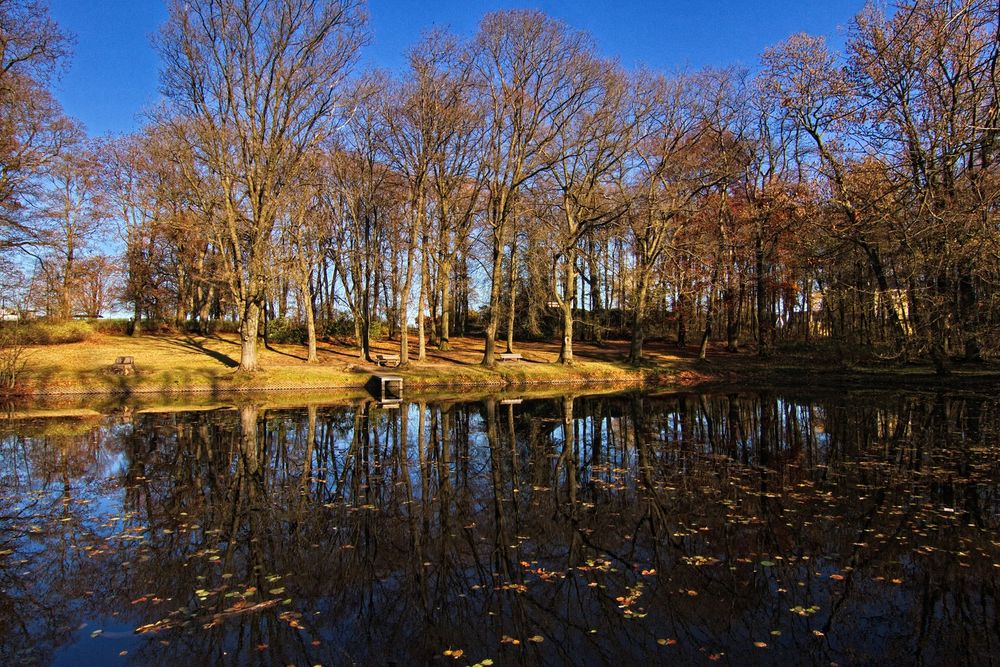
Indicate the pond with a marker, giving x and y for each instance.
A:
(739, 527)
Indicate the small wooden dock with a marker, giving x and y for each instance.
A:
(390, 389)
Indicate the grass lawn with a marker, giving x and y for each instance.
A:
(174, 364)
(177, 363)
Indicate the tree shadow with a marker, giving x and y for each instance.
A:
(275, 350)
(191, 344)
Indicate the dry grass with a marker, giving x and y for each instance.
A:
(179, 363)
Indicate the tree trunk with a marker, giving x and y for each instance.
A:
(307, 304)
(421, 299)
(136, 318)
(443, 342)
(249, 326)
(639, 317)
(489, 354)
(709, 313)
(512, 283)
(566, 305)
(763, 312)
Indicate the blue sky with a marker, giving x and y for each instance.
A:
(113, 74)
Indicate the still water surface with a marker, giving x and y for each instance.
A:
(729, 528)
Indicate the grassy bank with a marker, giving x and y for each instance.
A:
(171, 364)
(179, 364)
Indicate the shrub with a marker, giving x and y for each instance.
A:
(341, 326)
(13, 357)
(55, 333)
(111, 327)
(285, 330)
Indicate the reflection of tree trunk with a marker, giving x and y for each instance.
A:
(310, 445)
(567, 459)
(249, 451)
(502, 566)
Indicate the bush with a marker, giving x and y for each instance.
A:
(111, 327)
(341, 326)
(285, 330)
(55, 333)
(13, 357)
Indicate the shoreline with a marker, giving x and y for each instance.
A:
(171, 367)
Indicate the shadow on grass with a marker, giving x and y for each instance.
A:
(192, 344)
(275, 350)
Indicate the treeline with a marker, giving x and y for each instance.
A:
(518, 183)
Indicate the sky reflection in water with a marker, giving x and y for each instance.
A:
(739, 528)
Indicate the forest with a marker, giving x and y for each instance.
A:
(517, 183)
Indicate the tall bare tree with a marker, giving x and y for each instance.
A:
(534, 76)
(33, 128)
(260, 83)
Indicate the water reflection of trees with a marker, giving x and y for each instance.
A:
(856, 527)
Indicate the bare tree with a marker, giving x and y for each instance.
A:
(32, 126)
(533, 76)
(71, 212)
(260, 84)
(670, 173)
(588, 155)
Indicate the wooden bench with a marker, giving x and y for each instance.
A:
(387, 359)
(123, 366)
(510, 356)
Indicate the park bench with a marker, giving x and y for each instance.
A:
(510, 356)
(387, 359)
(123, 366)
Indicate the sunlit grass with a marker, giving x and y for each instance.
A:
(178, 363)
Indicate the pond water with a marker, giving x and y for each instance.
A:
(738, 528)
